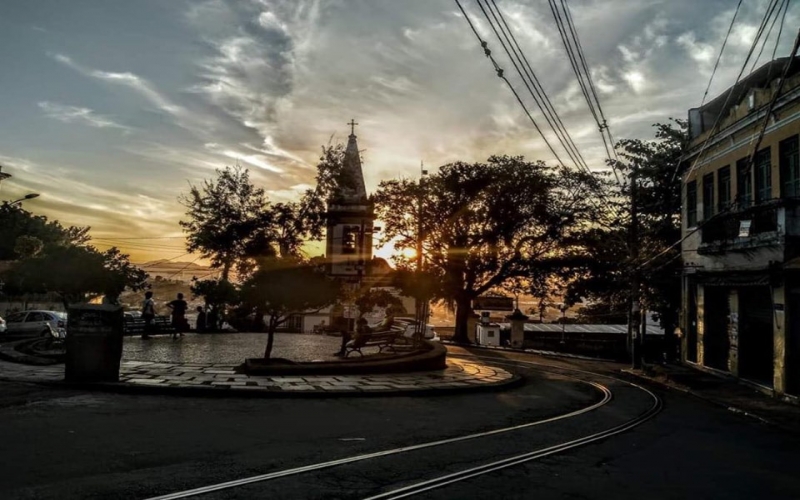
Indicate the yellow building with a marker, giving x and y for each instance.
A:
(741, 230)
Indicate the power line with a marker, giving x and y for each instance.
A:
(760, 136)
(769, 32)
(183, 268)
(500, 74)
(767, 15)
(603, 196)
(721, 50)
(537, 92)
(718, 120)
(146, 238)
(577, 57)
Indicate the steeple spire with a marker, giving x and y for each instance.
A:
(351, 183)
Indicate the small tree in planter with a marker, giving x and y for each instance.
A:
(285, 286)
(372, 298)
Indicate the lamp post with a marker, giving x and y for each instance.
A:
(28, 196)
(563, 308)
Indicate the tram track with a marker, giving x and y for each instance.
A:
(448, 479)
(427, 485)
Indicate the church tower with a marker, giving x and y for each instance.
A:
(350, 218)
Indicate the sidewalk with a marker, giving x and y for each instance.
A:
(726, 392)
(220, 379)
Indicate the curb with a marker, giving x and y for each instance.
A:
(546, 354)
(8, 352)
(228, 392)
(715, 402)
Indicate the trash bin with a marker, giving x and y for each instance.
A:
(94, 343)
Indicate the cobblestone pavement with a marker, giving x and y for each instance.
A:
(459, 374)
(228, 348)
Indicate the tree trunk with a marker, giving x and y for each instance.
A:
(463, 312)
(273, 324)
(226, 270)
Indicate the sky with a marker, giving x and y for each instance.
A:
(113, 108)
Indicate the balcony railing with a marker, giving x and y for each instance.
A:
(729, 228)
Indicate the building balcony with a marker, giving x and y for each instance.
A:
(766, 224)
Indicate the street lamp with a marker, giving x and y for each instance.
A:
(28, 196)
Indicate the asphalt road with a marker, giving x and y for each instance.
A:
(59, 444)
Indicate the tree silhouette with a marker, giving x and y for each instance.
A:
(283, 286)
(487, 222)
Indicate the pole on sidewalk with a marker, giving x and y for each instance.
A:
(635, 314)
(420, 304)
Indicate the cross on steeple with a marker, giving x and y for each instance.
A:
(352, 126)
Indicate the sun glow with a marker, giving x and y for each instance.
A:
(408, 253)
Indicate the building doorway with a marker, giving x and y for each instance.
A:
(691, 321)
(716, 342)
(756, 334)
(792, 322)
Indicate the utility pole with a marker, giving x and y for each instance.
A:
(421, 304)
(633, 244)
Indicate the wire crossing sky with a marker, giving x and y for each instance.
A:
(111, 107)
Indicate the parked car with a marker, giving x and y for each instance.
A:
(36, 323)
(2, 325)
(410, 326)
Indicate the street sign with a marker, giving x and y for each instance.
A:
(744, 228)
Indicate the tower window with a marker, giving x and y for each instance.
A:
(350, 240)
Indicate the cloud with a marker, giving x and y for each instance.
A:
(75, 197)
(184, 118)
(247, 77)
(74, 114)
(266, 82)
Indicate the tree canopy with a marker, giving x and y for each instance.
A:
(283, 286)
(231, 221)
(15, 223)
(73, 272)
(484, 223)
(606, 285)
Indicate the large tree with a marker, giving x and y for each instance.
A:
(231, 222)
(225, 220)
(16, 223)
(655, 164)
(75, 273)
(484, 223)
(283, 286)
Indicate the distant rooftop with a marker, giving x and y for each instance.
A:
(581, 328)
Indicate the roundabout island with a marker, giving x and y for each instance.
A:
(213, 365)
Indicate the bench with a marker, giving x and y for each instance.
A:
(135, 325)
(326, 329)
(382, 340)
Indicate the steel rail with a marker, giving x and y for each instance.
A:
(505, 463)
(607, 396)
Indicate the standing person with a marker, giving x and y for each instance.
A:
(178, 307)
(201, 320)
(148, 314)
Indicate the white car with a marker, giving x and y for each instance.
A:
(37, 323)
(2, 325)
(430, 332)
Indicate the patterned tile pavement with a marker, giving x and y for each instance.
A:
(459, 374)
